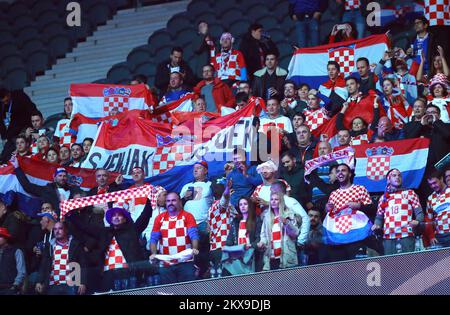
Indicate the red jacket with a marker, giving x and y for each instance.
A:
(222, 94)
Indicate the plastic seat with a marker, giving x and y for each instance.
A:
(207, 16)
(16, 78)
(230, 16)
(216, 30)
(138, 56)
(31, 46)
(6, 37)
(8, 49)
(222, 6)
(59, 45)
(281, 12)
(146, 68)
(277, 35)
(160, 38)
(119, 73)
(178, 23)
(39, 7)
(37, 63)
(27, 34)
(79, 33)
(48, 17)
(99, 13)
(162, 52)
(268, 22)
(52, 29)
(257, 12)
(197, 7)
(17, 9)
(12, 61)
(239, 28)
(186, 36)
(22, 22)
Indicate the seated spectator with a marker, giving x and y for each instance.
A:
(315, 249)
(12, 261)
(294, 175)
(303, 146)
(255, 46)
(140, 79)
(201, 48)
(52, 156)
(298, 120)
(166, 225)
(315, 116)
(395, 104)
(64, 156)
(22, 146)
(15, 221)
(55, 269)
(302, 94)
(175, 90)
(334, 89)
(43, 144)
(342, 32)
(87, 145)
(279, 232)
(274, 118)
(439, 96)
(200, 104)
(290, 105)
(36, 130)
(62, 135)
(174, 64)
(268, 82)
(386, 131)
(367, 79)
(216, 93)
(241, 100)
(343, 138)
(245, 230)
(229, 63)
(244, 86)
(396, 209)
(76, 155)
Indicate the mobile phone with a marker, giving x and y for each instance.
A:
(341, 27)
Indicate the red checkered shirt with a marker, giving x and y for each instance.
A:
(276, 238)
(60, 267)
(219, 223)
(174, 232)
(243, 233)
(437, 12)
(315, 118)
(62, 132)
(398, 214)
(355, 193)
(351, 4)
(228, 68)
(114, 258)
(438, 208)
(263, 191)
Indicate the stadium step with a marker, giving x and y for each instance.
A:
(90, 60)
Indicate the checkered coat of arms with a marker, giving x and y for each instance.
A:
(345, 57)
(378, 162)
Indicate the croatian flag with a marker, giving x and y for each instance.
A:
(102, 100)
(40, 173)
(309, 65)
(167, 154)
(346, 226)
(374, 160)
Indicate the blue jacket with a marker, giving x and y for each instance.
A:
(306, 6)
(244, 186)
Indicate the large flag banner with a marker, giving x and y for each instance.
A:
(309, 65)
(39, 173)
(102, 100)
(167, 154)
(374, 160)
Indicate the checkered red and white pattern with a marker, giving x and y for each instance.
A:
(70, 204)
(62, 132)
(344, 223)
(351, 4)
(276, 238)
(165, 157)
(263, 191)
(219, 223)
(114, 258)
(60, 267)
(118, 103)
(377, 167)
(315, 118)
(437, 12)
(242, 233)
(358, 140)
(438, 208)
(345, 57)
(355, 193)
(34, 147)
(398, 214)
(164, 118)
(174, 232)
(228, 68)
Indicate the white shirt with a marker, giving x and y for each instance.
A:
(282, 122)
(63, 194)
(202, 201)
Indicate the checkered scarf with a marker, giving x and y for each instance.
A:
(276, 238)
(127, 194)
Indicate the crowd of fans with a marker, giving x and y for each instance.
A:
(259, 215)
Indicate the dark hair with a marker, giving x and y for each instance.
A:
(201, 97)
(334, 63)
(77, 144)
(280, 184)
(24, 137)
(209, 65)
(288, 154)
(67, 99)
(352, 172)
(422, 99)
(363, 59)
(3, 92)
(273, 98)
(244, 81)
(250, 224)
(176, 48)
(332, 167)
(304, 84)
(362, 119)
(141, 78)
(254, 27)
(434, 106)
(435, 174)
(201, 21)
(290, 82)
(299, 114)
(423, 19)
(37, 113)
(89, 139)
(444, 87)
(241, 97)
(351, 78)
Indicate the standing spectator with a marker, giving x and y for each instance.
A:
(298, 120)
(62, 135)
(64, 155)
(43, 144)
(55, 269)
(406, 82)
(174, 64)
(201, 48)
(421, 43)
(395, 104)
(438, 65)
(197, 199)
(367, 79)
(15, 114)
(348, 196)
(396, 209)
(15, 222)
(291, 105)
(385, 130)
(437, 209)
(217, 94)
(279, 232)
(180, 223)
(12, 265)
(447, 176)
(76, 155)
(334, 89)
(437, 12)
(315, 250)
(342, 32)
(419, 108)
(315, 116)
(255, 46)
(175, 90)
(52, 156)
(269, 81)
(352, 13)
(303, 146)
(306, 15)
(275, 119)
(294, 175)
(229, 63)
(36, 130)
(439, 95)
(244, 87)
(22, 146)
(87, 145)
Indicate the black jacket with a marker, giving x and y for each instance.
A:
(250, 49)
(76, 254)
(162, 76)
(48, 193)
(127, 235)
(260, 82)
(254, 235)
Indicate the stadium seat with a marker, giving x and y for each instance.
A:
(145, 68)
(277, 35)
(207, 16)
(160, 38)
(222, 6)
(37, 62)
(48, 17)
(39, 7)
(52, 29)
(287, 26)
(6, 37)
(138, 56)
(185, 36)
(16, 78)
(119, 73)
(284, 61)
(16, 9)
(239, 27)
(98, 13)
(248, 5)
(281, 12)
(285, 48)
(163, 52)
(178, 23)
(27, 34)
(79, 33)
(7, 50)
(268, 22)
(11, 61)
(22, 22)
(257, 12)
(195, 8)
(59, 45)
(216, 31)
(229, 17)
(31, 46)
